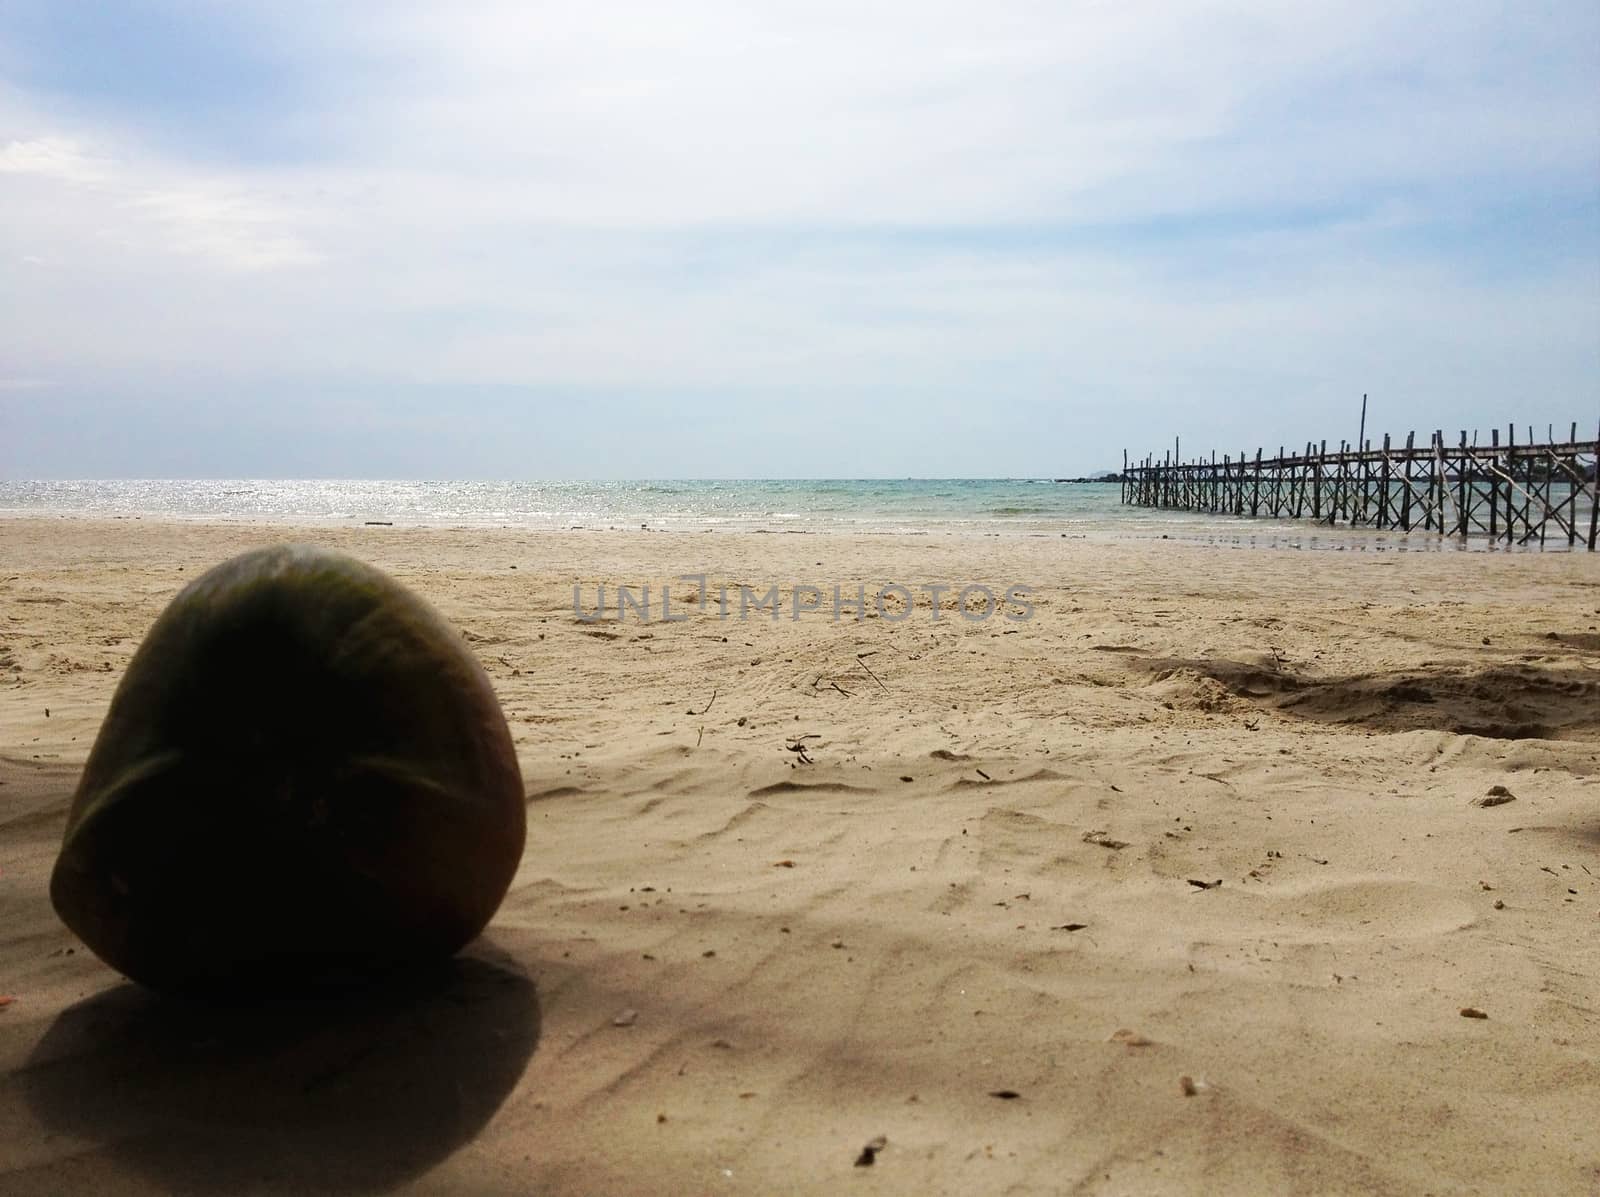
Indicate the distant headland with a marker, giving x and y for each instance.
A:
(1102, 476)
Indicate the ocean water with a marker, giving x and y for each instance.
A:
(906, 506)
(872, 505)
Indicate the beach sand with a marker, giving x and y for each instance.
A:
(964, 918)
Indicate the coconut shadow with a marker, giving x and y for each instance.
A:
(351, 1091)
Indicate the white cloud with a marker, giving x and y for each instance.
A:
(56, 158)
(143, 204)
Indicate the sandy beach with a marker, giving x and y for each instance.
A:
(1181, 885)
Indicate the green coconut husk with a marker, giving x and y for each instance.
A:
(304, 773)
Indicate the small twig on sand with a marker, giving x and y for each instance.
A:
(798, 746)
(832, 684)
(712, 699)
(860, 661)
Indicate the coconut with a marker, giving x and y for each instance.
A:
(303, 774)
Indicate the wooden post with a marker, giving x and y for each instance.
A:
(1363, 476)
(1494, 486)
(1356, 514)
(1383, 482)
(1361, 433)
(1433, 484)
(1351, 474)
(1437, 487)
(1572, 494)
(1305, 479)
(1511, 493)
(1365, 503)
(1594, 504)
(1405, 499)
(1545, 495)
(1339, 488)
(1428, 476)
(1316, 483)
(1511, 473)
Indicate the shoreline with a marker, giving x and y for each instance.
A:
(1225, 532)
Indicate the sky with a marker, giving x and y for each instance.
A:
(483, 239)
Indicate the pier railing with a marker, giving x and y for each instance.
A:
(1519, 494)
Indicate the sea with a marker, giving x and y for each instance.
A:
(912, 506)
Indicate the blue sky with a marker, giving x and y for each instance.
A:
(486, 239)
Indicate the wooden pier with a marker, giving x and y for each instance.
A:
(1516, 494)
